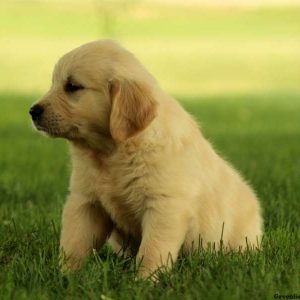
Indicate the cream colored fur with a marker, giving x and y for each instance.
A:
(143, 175)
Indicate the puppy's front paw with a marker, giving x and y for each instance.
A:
(69, 264)
(145, 274)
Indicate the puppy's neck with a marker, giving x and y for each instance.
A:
(101, 149)
(103, 152)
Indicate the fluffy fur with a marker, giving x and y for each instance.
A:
(143, 176)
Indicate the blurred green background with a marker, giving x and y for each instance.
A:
(194, 48)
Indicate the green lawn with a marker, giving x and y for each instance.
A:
(259, 135)
(236, 70)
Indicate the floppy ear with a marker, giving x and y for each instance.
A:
(133, 108)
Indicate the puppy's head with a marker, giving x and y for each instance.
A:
(99, 92)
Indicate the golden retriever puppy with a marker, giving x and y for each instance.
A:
(142, 173)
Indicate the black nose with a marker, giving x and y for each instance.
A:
(36, 112)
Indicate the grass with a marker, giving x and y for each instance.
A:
(33, 186)
(235, 70)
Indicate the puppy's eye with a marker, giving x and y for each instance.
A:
(72, 87)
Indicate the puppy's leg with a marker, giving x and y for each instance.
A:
(85, 225)
(119, 245)
(116, 242)
(162, 236)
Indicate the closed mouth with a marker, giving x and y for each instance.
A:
(49, 131)
(58, 133)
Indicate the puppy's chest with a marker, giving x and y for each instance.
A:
(122, 193)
